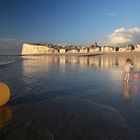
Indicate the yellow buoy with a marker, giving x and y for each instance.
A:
(4, 94)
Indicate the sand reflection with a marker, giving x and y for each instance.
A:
(5, 115)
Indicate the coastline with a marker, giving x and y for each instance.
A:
(78, 54)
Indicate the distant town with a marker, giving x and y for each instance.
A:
(31, 48)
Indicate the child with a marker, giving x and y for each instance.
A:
(127, 68)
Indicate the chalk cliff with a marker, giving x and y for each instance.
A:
(28, 49)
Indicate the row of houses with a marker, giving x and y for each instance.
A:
(50, 48)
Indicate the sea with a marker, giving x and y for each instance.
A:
(70, 98)
(8, 59)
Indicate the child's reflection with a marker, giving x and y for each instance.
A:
(127, 91)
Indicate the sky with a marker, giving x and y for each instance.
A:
(76, 22)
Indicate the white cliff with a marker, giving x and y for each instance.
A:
(30, 49)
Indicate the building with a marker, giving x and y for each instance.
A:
(107, 49)
(83, 50)
(35, 49)
(74, 50)
(137, 48)
(122, 49)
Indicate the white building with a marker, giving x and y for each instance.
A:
(137, 48)
(74, 50)
(83, 50)
(122, 49)
(62, 50)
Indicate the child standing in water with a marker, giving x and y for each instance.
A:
(127, 68)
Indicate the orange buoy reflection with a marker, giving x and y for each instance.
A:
(5, 115)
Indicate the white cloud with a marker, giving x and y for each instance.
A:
(109, 12)
(123, 36)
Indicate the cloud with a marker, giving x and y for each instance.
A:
(109, 12)
(122, 36)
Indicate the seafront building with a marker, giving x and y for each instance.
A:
(37, 49)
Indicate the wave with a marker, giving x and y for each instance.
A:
(7, 61)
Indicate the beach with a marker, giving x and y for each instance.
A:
(71, 98)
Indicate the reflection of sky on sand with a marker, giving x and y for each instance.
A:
(111, 66)
(5, 116)
(46, 61)
(116, 74)
(96, 61)
(56, 94)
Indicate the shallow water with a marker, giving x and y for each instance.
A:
(70, 98)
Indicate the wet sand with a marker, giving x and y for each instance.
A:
(59, 98)
(126, 54)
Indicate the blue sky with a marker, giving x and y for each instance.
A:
(71, 21)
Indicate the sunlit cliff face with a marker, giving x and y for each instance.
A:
(35, 49)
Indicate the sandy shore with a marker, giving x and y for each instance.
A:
(128, 54)
(82, 100)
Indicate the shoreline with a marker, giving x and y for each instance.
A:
(76, 54)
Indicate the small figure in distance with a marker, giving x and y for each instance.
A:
(127, 69)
